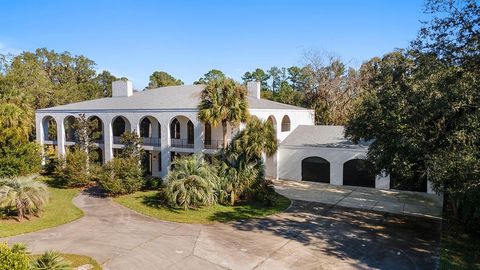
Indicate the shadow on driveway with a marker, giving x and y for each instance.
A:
(370, 239)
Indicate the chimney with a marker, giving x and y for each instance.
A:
(253, 89)
(122, 88)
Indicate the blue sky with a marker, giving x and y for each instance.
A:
(188, 38)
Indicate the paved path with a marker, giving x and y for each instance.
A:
(390, 201)
(308, 236)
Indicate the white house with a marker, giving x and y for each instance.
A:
(166, 119)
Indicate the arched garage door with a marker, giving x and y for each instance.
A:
(358, 172)
(316, 169)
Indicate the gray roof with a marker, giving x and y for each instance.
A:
(321, 136)
(164, 98)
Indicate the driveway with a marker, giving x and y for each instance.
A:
(390, 201)
(309, 235)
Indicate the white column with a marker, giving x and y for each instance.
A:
(430, 188)
(165, 146)
(382, 181)
(60, 136)
(40, 135)
(107, 139)
(197, 136)
(336, 173)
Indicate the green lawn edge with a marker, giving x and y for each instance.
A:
(143, 202)
(59, 210)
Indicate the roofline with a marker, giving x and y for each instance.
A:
(48, 110)
(363, 149)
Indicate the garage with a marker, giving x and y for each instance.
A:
(358, 172)
(316, 169)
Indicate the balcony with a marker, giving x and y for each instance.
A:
(213, 144)
(182, 143)
(151, 141)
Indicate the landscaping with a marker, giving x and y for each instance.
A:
(146, 202)
(57, 211)
(78, 260)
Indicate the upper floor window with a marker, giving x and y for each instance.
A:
(286, 123)
(175, 129)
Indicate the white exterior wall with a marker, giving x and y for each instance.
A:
(290, 163)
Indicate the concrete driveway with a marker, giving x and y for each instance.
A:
(309, 235)
(390, 201)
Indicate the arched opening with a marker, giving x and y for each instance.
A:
(286, 123)
(207, 135)
(182, 132)
(49, 129)
(150, 131)
(358, 172)
(271, 119)
(97, 155)
(97, 135)
(190, 132)
(146, 128)
(175, 129)
(120, 125)
(316, 169)
(70, 134)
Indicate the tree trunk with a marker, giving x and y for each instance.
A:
(224, 130)
(232, 198)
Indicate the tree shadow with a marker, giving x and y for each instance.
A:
(95, 191)
(375, 239)
(156, 201)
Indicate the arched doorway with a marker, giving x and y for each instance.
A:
(49, 129)
(316, 169)
(97, 135)
(120, 125)
(286, 123)
(358, 172)
(190, 132)
(150, 131)
(208, 135)
(70, 134)
(175, 129)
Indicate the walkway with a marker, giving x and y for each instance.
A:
(308, 236)
(390, 201)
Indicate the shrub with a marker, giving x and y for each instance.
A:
(152, 183)
(121, 176)
(191, 184)
(72, 170)
(51, 260)
(22, 195)
(12, 258)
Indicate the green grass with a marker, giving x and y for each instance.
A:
(459, 251)
(58, 211)
(78, 260)
(145, 202)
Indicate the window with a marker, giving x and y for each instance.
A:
(145, 128)
(208, 134)
(286, 123)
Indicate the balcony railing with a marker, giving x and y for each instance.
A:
(151, 141)
(182, 143)
(213, 144)
(116, 140)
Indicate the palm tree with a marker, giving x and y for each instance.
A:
(23, 194)
(223, 102)
(51, 260)
(257, 138)
(191, 183)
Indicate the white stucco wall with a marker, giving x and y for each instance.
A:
(290, 162)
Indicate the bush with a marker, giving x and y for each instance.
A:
(22, 196)
(51, 260)
(72, 170)
(191, 184)
(13, 258)
(121, 176)
(152, 183)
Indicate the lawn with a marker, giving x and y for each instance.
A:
(79, 260)
(145, 202)
(459, 251)
(58, 211)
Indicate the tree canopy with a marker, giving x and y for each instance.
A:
(161, 79)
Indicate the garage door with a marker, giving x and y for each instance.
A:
(358, 172)
(316, 169)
